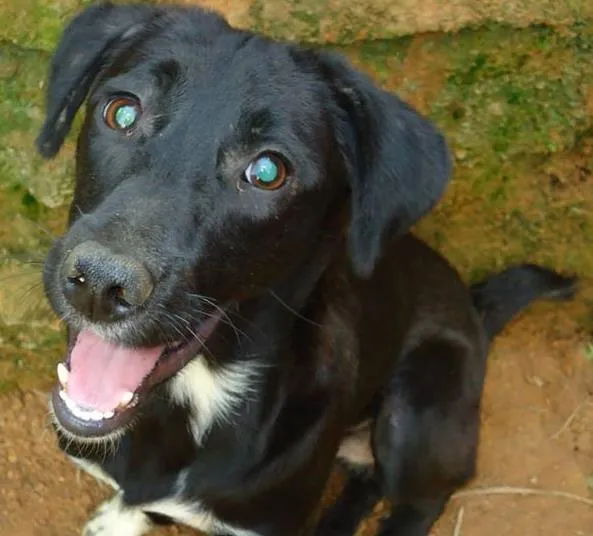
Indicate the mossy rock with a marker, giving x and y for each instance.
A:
(347, 21)
(498, 93)
(517, 108)
(36, 24)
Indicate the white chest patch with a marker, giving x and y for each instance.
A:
(356, 449)
(212, 395)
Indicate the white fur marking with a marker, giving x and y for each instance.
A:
(355, 448)
(113, 518)
(195, 517)
(95, 471)
(211, 395)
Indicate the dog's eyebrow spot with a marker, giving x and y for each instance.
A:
(166, 73)
(253, 129)
(253, 125)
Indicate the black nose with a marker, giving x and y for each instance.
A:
(103, 286)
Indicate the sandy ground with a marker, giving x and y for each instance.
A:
(537, 434)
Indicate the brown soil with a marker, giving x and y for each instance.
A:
(537, 433)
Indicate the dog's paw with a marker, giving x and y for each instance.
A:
(113, 518)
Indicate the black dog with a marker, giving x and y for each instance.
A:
(243, 302)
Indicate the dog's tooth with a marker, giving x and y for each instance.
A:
(62, 394)
(75, 410)
(126, 398)
(84, 415)
(96, 415)
(68, 401)
(63, 374)
(108, 414)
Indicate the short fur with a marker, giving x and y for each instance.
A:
(345, 337)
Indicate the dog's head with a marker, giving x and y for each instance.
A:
(210, 165)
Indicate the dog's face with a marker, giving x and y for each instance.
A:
(210, 166)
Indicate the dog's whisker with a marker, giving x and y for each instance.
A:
(15, 258)
(20, 275)
(173, 323)
(294, 311)
(223, 313)
(79, 210)
(30, 303)
(44, 230)
(223, 319)
(167, 339)
(168, 316)
(226, 319)
(187, 331)
(196, 336)
(237, 332)
(28, 290)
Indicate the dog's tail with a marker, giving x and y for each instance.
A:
(502, 296)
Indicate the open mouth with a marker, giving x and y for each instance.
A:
(101, 384)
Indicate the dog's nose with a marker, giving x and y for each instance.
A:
(103, 286)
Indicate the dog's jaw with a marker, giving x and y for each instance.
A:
(101, 384)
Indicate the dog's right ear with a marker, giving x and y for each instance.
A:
(84, 49)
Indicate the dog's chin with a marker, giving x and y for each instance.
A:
(81, 408)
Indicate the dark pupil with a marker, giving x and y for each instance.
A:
(265, 170)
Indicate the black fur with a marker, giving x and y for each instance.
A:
(348, 317)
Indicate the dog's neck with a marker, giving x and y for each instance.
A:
(296, 290)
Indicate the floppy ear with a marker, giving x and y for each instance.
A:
(397, 161)
(81, 54)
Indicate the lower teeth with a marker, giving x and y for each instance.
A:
(82, 413)
(129, 399)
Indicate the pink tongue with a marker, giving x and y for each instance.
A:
(100, 372)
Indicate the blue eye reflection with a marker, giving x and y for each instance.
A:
(267, 171)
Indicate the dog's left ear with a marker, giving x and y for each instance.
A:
(80, 55)
(397, 161)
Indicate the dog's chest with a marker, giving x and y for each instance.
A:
(191, 513)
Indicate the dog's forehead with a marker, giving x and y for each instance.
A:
(225, 79)
(240, 62)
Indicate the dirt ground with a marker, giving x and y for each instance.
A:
(537, 434)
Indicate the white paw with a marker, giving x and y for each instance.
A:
(113, 518)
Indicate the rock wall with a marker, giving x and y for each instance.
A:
(345, 21)
(515, 100)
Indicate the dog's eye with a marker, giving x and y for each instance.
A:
(122, 113)
(268, 171)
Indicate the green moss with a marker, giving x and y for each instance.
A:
(502, 93)
(36, 24)
(22, 73)
(22, 80)
(511, 93)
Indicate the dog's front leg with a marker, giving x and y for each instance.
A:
(115, 518)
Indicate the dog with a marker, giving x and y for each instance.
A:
(245, 304)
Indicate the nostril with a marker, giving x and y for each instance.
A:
(73, 271)
(116, 295)
(119, 295)
(105, 286)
